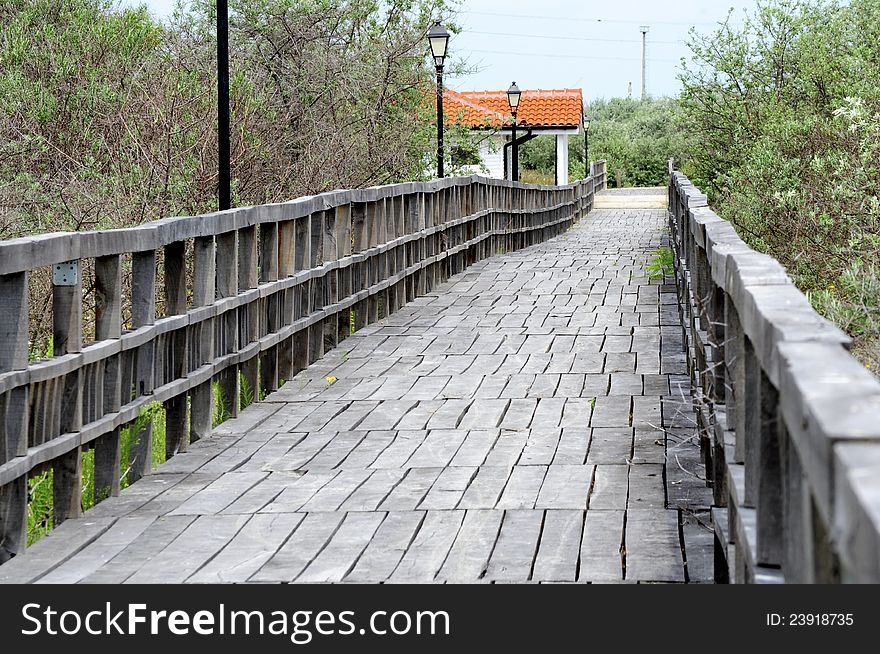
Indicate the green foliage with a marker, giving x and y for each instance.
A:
(635, 137)
(661, 264)
(40, 511)
(108, 119)
(785, 114)
(245, 391)
(220, 410)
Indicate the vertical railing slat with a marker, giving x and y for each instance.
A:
(143, 313)
(14, 410)
(108, 325)
(176, 419)
(67, 339)
(204, 291)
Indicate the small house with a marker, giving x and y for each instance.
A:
(559, 113)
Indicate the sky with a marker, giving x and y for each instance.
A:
(586, 44)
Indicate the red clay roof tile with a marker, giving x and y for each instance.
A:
(537, 108)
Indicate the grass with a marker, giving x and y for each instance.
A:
(536, 177)
(661, 265)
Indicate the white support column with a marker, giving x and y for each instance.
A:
(562, 158)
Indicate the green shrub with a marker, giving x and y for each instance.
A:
(785, 112)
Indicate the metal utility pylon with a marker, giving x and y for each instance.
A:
(644, 30)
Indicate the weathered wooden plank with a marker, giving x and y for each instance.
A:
(369, 495)
(368, 450)
(601, 548)
(180, 558)
(516, 547)
(475, 448)
(485, 489)
(407, 495)
(559, 551)
(334, 562)
(258, 497)
(438, 448)
(610, 487)
(334, 493)
(301, 548)
(251, 547)
(220, 494)
(653, 550)
(647, 489)
(540, 448)
(54, 549)
(469, 556)
(428, 550)
(507, 449)
(299, 492)
(158, 535)
(227, 332)
(447, 491)
(387, 547)
(522, 487)
(92, 557)
(565, 487)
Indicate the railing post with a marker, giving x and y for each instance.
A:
(316, 296)
(227, 330)
(286, 268)
(769, 478)
(108, 325)
(249, 314)
(271, 307)
(143, 313)
(330, 252)
(375, 221)
(360, 278)
(176, 419)
(14, 408)
(204, 290)
(67, 339)
(302, 259)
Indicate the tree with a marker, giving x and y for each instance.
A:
(785, 113)
(635, 137)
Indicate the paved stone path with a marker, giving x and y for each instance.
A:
(527, 421)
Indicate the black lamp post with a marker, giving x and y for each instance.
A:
(586, 146)
(513, 97)
(224, 194)
(438, 38)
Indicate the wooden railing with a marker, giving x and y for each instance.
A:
(789, 421)
(253, 294)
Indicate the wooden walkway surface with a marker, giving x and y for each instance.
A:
(528, 421)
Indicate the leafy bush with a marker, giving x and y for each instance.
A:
(662, 264)
(635, 137)
(785, 113)
(108, 119)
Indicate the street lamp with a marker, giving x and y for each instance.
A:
(513, 98)
(586, 146)
(438, 38)
(224, 195)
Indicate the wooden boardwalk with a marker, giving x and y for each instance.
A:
(528, 421)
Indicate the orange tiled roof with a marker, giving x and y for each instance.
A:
(537, 108)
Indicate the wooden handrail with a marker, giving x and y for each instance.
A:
(265, 292)
(789, 420)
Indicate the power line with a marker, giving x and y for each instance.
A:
(570, 38)
(581, 20)
(564, 56)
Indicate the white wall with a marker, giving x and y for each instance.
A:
(562, 159)
(492, 155)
